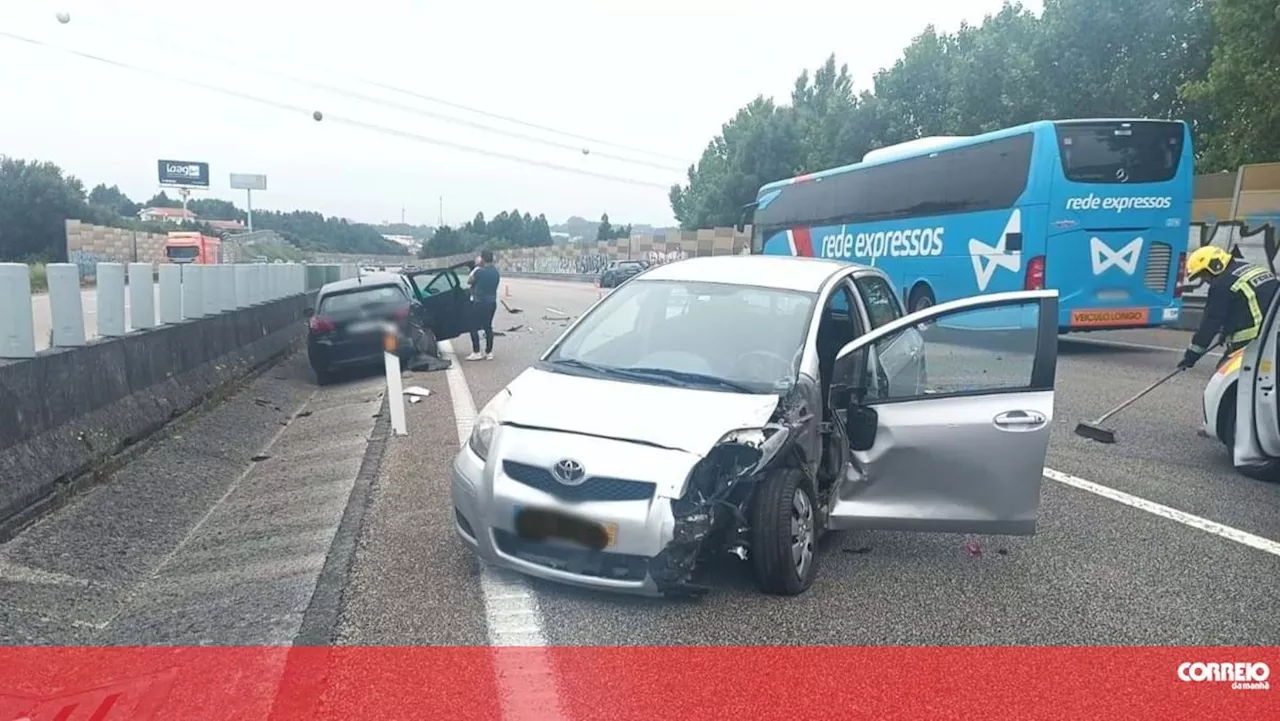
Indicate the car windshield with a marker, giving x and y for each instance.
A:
(356, 299)
(713, 336)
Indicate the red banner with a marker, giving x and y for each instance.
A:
(624, 683)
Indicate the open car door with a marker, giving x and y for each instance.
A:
(963, 451)
(1256, 451)
(445, 298)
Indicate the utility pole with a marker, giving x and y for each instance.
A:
(440, 222)
(402, 215)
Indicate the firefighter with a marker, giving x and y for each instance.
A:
(1239, 295)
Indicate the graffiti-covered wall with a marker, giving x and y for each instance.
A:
(88, 245)
(1237, 211)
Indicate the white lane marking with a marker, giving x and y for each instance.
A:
(1203, 524)
(555, 311)
(525, 676)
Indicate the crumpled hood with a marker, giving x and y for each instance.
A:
(679, 418)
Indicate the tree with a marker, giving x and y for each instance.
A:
(114, 200)
(36, 199)
(1239, 90)
(1080, 58)
(216, 209)
(162, 200)
(759, 145)
(605, 231)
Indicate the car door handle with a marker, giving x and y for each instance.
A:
(1020, 420)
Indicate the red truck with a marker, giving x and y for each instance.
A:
(191, 247)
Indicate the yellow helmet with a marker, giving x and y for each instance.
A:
(1207, 259)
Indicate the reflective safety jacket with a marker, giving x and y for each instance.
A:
(1238, 299)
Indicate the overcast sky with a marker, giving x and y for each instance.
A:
(660, 76)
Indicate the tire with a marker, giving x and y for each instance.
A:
(324, 377)
(776, 501)
(921, 298)
(1227, 420)
(428, 343)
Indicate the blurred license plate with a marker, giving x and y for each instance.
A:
(541, 524)
(365, 326)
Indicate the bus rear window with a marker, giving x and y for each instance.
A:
(1120, 152)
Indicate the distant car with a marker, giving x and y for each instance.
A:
(742, 406)
(1242, 394)
(620, 271)
(346, 327)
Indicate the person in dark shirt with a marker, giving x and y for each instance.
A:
(484, 296)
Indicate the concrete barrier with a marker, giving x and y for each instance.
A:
(66, 411)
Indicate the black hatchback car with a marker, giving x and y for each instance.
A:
(346, 327)
(620, 271)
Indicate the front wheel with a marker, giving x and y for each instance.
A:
(784, 534)
(921, 298)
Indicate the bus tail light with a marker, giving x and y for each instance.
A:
(1035, 274)
(1181, 277)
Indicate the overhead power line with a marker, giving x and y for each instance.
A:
(331, 118)
(328, 72)
(328, 87)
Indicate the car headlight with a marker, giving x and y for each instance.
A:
(486, 425)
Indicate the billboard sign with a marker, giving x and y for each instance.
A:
(248, 181)
(184, 174)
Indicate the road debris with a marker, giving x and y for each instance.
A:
(511, 310)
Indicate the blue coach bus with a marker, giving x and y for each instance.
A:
(1097, 209)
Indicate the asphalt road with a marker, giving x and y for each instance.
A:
(196, 542)
(42, 314)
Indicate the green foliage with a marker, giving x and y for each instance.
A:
(607, 231)
(1079, 58)
(1239, 92)
(114, 201)
(506, 230)
(216, 209)
(35, 201)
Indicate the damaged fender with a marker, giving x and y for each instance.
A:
(720, 486)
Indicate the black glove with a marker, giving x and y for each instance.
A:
(1189, 359)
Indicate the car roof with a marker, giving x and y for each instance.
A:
(368, 280)
(784, 272)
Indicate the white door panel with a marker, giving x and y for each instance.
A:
(902, 487)
(965, 451)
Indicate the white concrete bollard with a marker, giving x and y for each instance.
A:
(226, 287)
(17, 327)
(110, 294)
(260, 288)
(193, 279)
(244, 282)
(142, 296)
(170, 293)
(65, 306)
(211, 300)
(395, 387)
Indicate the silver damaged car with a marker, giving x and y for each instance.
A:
(742, 406)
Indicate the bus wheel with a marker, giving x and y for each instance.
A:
(921, 298)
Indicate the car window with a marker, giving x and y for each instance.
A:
(440, 283)
(961, 352)
(882, 305)
(746, 335)
(355, 299)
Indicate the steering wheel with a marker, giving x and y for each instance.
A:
(763, 365)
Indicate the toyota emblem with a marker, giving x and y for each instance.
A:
(569, 472)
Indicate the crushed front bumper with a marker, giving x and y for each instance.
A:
(484, 518)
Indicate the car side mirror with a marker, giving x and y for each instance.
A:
(307, 313)
(860, 425)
